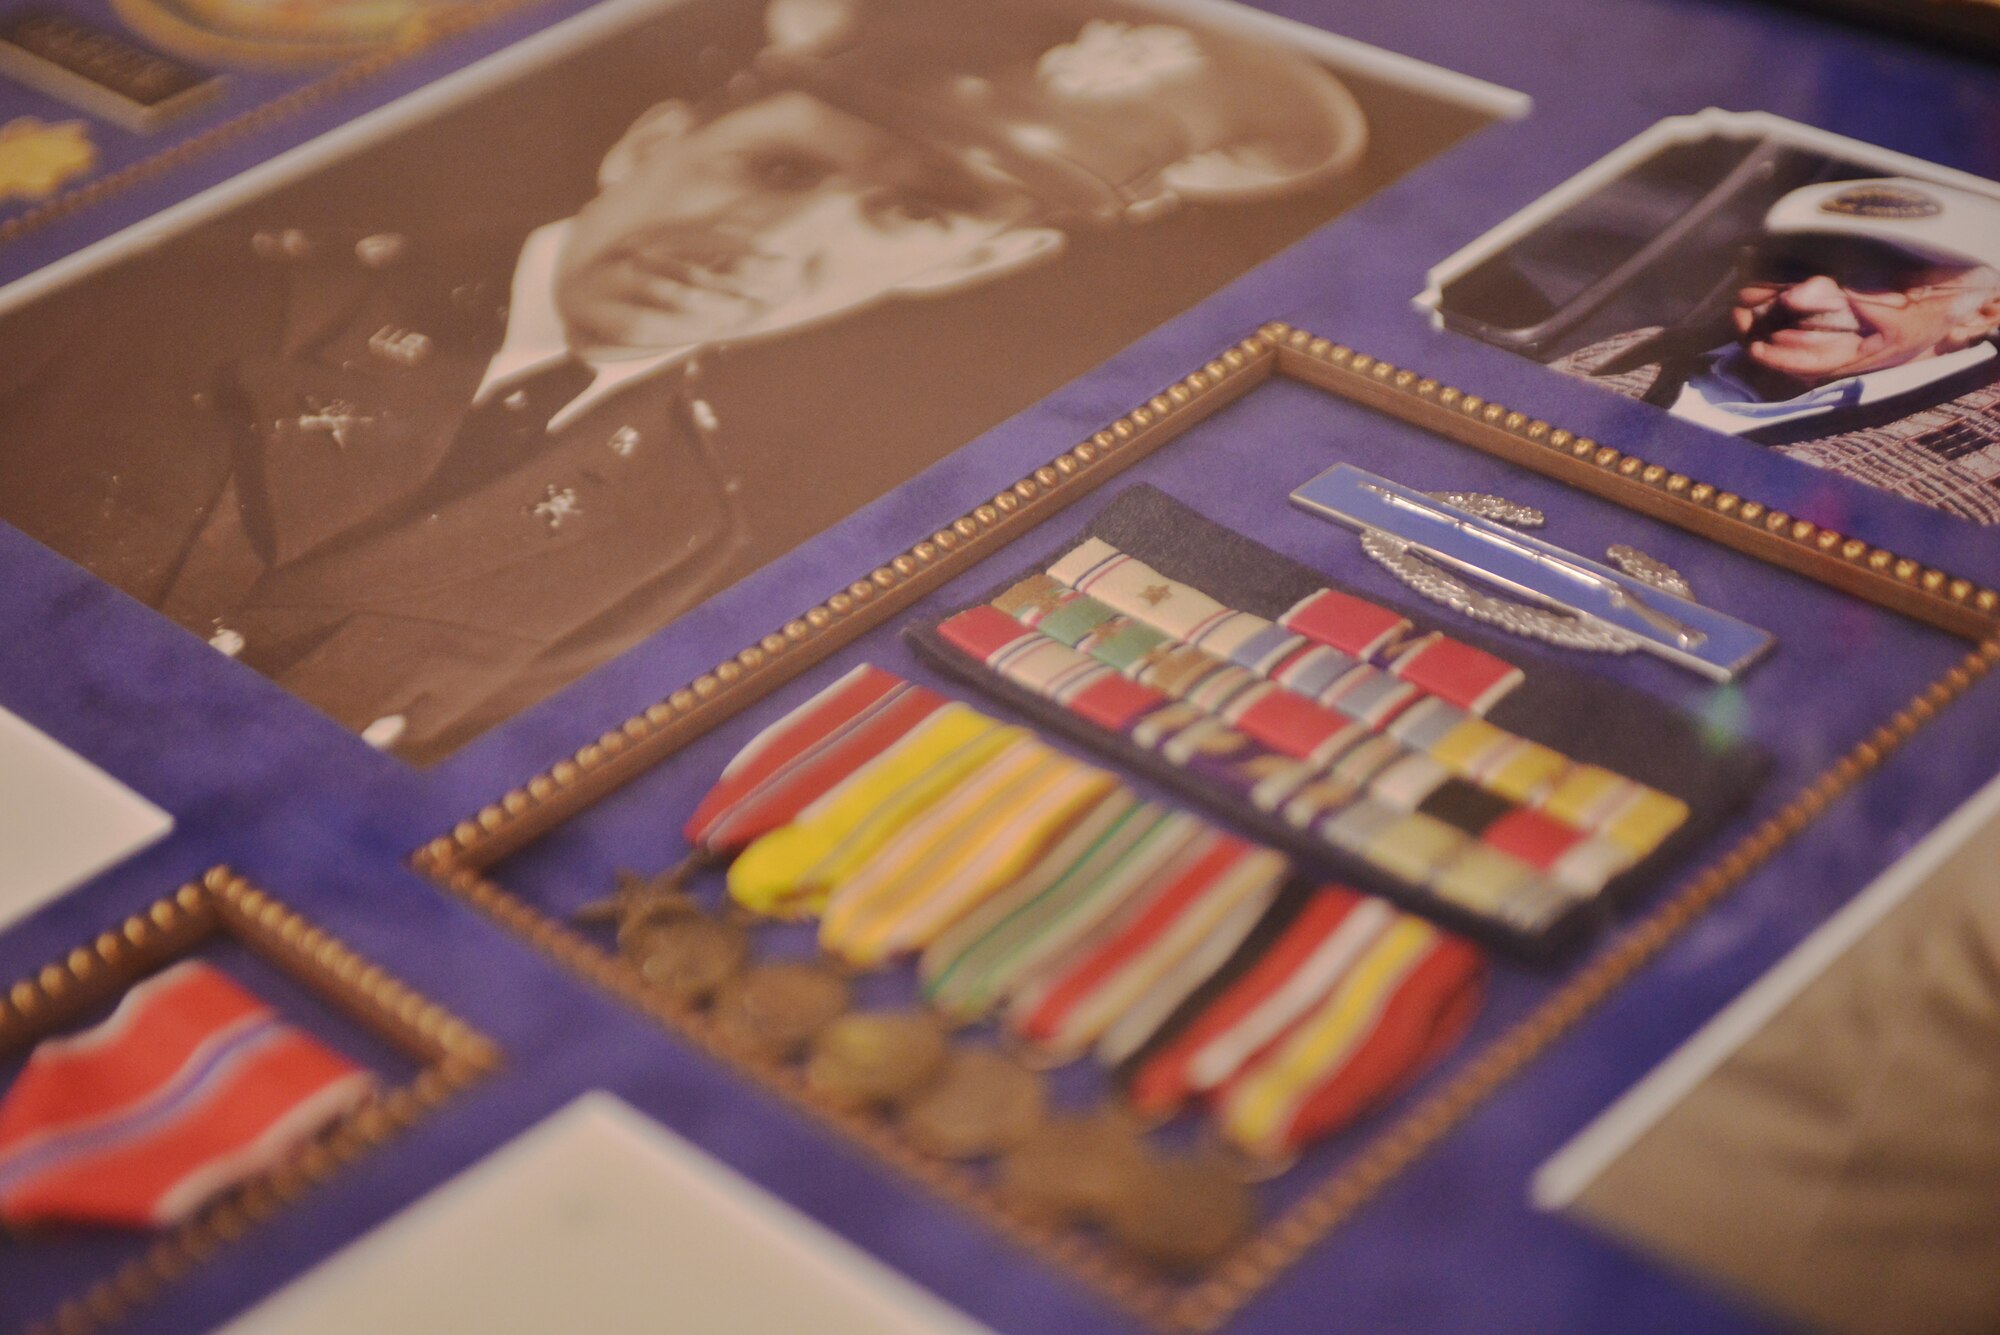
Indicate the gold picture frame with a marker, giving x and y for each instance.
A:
(460, 859)
(453, 1054)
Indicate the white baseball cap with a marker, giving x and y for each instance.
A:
(1934, 222)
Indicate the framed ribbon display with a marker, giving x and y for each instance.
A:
(503, 860)
(159, 1093)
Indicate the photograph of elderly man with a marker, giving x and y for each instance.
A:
(432, 432)
(1837, 316)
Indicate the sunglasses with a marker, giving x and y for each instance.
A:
(1877, 274)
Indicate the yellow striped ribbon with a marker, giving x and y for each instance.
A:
(972, 843)
(1256, 1111)
(790, 871)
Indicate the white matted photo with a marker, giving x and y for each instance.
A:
(431, 416)
(1825, 1145)
(1806, 293)
(62, 819)
(600, 1220)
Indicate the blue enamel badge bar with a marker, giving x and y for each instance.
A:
(1679, 630)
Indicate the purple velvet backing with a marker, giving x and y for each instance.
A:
(262, 782)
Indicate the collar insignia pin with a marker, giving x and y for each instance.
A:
(336, 417)
(557, 505)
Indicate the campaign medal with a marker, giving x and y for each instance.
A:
(682, 950)
(1182, 1213)
(633, 896)
(876, 1057)
(1075, 1169)
(777, 1009)
(981, 1105)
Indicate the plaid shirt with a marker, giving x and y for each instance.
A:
(1946, 455)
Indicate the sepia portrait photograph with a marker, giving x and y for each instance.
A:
(1810, 295)
(444, 410)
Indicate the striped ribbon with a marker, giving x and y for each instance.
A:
(793, 762)
(972, 842)
(191, 1086)
(1124, 846)
(1066, 1008)
(1396, 1009)
(1376, 801)
(1320, 649)
(1298, 727)
(790, 871)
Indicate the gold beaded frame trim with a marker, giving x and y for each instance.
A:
(453, 1056)
(458, 860)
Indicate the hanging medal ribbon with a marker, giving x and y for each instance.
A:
(796, 760)
(1064, 1011)
(1075, 889)
(789, 871)
(191, 1086)
(972, 842)
(1399, 1007)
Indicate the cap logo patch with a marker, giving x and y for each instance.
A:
(1881, 201)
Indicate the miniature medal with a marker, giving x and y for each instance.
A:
(1183, 1213)
(981, 1105)
(677, 947)
(876, 1057)
(634, 895)
(1075, 1168)
(777, 1009)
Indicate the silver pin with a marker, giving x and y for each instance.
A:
(1615, 594)
(1529, 587)
(227, 642)
(557, 505)
(1649, 570)
(623, 441)
(406, 347)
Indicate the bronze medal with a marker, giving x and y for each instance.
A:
(1183, 1213)
(876, 1057)
(1074, 1169)
(776, 1009)
(632, 895)
(684, 951)
(981, 1105)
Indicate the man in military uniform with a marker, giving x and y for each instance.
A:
(1860, 340)
(422, 495)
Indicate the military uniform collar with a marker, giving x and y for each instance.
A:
(1718, 395)
(536, 339)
